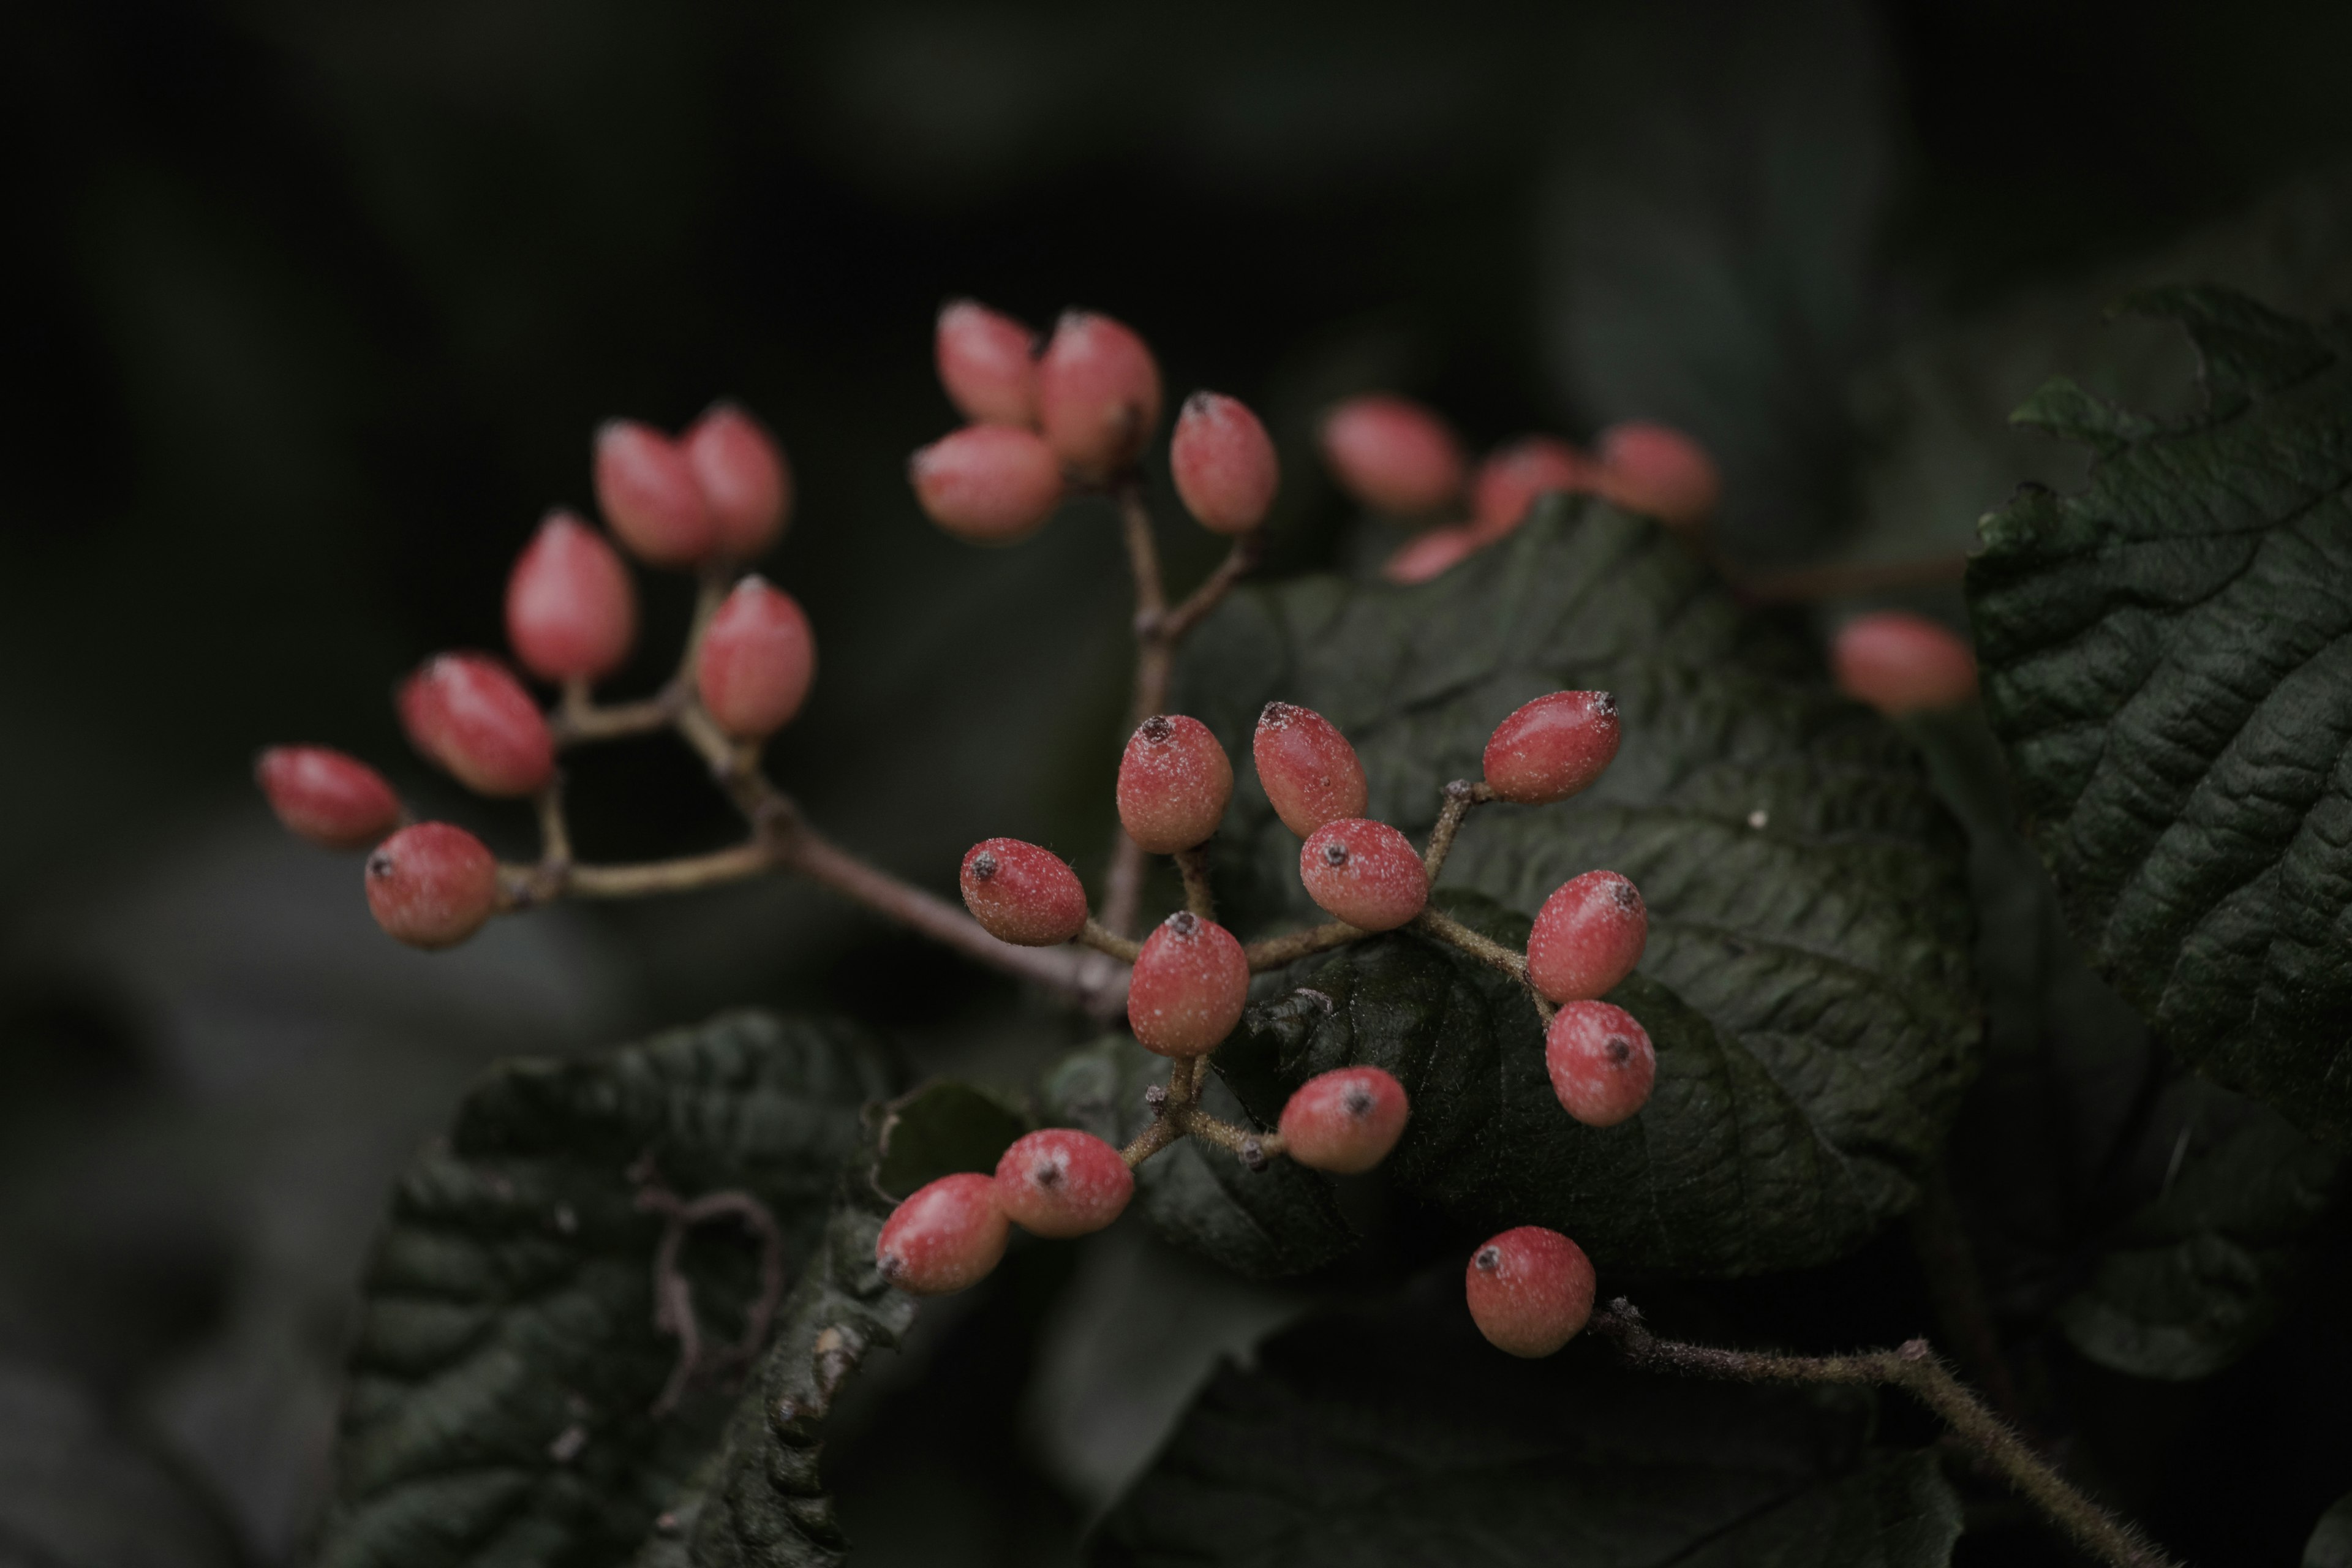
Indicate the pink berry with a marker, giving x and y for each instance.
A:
(988, 362)
(1363, 872)
(326, 797)
(1902, 663)
(1601, 1060)
(1530, 1290)
(432, 884)
(757, 661)
(1097, 394)
(572, 609)
(1309, 769)
(1223, 463)
(746, 484)
(466, 713)
(649, 493)
(1393, 454)
(1588, 937)
(1060, 1182)
(1173, 783)
(1189, 985)
(1431, 554)
(1344, 1121)
(992, 484)
(1552, 747)
(1659, 472)
(944, 1238)
(1023, 894)
(1512, 477)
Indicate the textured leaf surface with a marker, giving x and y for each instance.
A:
(941, 1128)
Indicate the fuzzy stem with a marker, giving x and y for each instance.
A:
(1444, 927)
(1193, 865)
(1460, 797)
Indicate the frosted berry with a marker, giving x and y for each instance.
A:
(1552, 747)
(1393, 454)
(1344, 1121)
(1309, 769)
(1173, 783)
(1902, 663)
(432, 884)
(1659, 472)
(649, 493)
(992, 484)
(572, 608)
(757, 661)
(944, 1238)
(1023, 894)
(466, 713)
(1588, 936)
(1530, 1290)
(1602, 1062)
(1223, 463)
(1363, 872)
(746, 484)
(326, 797)
(1189, 985)
(1097, 394)
(988, 362)
(1431, 554)
(1061, 1183)
(1512, 477)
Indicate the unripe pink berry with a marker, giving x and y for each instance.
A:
(1189, 985)
(1432, 554)
(988, 362)
(1601, 1060)
(1530, 1290)
(1363, 872)
(1173, 783)
(757, 661)
(1901, 663)
(432, 884)
(326, 797)
(1393, 454)
(1659, 472)
(1344, 1121)
(1512, 477)
(1552, 747)
(746, 484)
(1060, 1182)
(1097, 394)
(1309, 769)
(944, 1238)
(1223, 463)
(649, 495)
(991, 484)
(1586, 937)
(466, 713)
(1023, 894)
(572, 609)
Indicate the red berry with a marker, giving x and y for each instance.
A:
(757, 661)
(432, 884)
(992, 484)
(1552, 747)
(649, 495)
(466, 713)
(1393, 455)
(1223, 463)
(944, 1238)
(988, 362)
(1344, 1121)
(1530, 1290)
(1173, 783)
(1060, 1182)
(1601, 1060)
(1587, 938)
(1902, 663)
(1512, 477)
(1023, 894)
(1189, 985)
(1309, 769)
(746, 484)
(1659, 472)
(572, 609)
(326, 797)
(1431, 554)
(1097, 394)
(1363, 872)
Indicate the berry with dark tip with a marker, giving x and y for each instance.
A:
(572, 608)
(1023, 894)
(1552, 747)
(757, 660)
(1530, 1290)
(1901, 663)
(1190, 985)
(1097, 394)
(1173, 783)
(746, 484)
(990, 484)
(432, 884)
(1393, 454)
(1223, 463)
(945, 1237)
(988, 364)
(1363, 872)
(1306, 767)
(1061, 1183)
(326, 797)
(649, 493)
(469, 715)
(1588, 936)
(1658, 471)
(1601, 1060)
(1346, 1121)
(1512, 477)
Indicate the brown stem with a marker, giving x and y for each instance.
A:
(674, 1293)
(1193, 865)
(1102, 940)
(1275, 951)
(577, 720)
(1444, 927)
(682, 875)
(1941, 1244)
(1460, 797)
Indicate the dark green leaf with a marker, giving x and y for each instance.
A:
(941, 1128)
(2331, 1543)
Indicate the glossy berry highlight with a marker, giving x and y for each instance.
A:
(467, 714)
(1601, 1063)
(1363, 872)
(946, 1237)
(1060, 1182)
(1023, 894)
(1530, 1290)
(1553, 747)
(1174, 783)
(757, 660)
(1511, 478)
(571, 606)
(1223, 463)
(1344, 1121)
(1658, 471)
(324, 795)
(432, 884)
(746, 484)
(649, 493)
(1190, 985)
(990, 484)
(1588, 936)
(1306, 767)
(987, 364)
(1901, 663)
(1393, 454)
(1099, 394)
